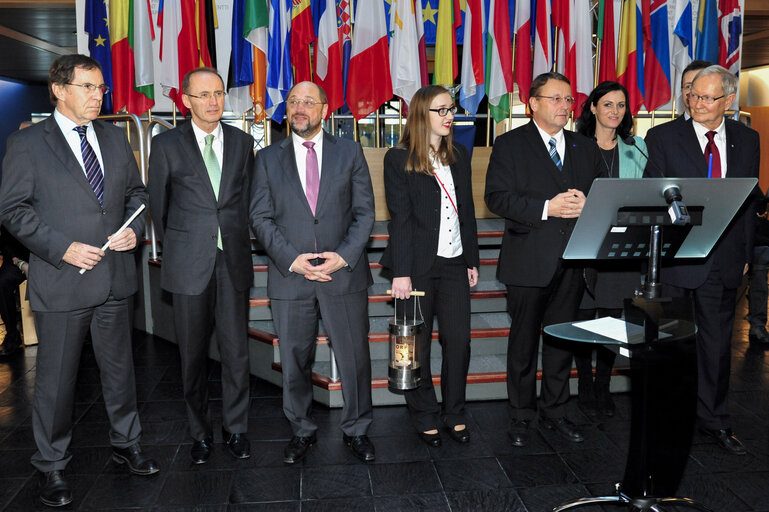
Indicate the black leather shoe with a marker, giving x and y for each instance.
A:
(11, 344)
(460, 436)
(361, 447)
(201, 450)
(237, 444)
(727, 440)
(564, 427)
(433, 440)
(54, 490)
(297, 448)
(138, 463)
(759, 336)
(519, 432)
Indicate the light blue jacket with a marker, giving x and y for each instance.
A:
(631, 161)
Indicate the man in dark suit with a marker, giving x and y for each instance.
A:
(198, 186)
(68, 184)
(312, 209)
(684, 150)
(537, 180)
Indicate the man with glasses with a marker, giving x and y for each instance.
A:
(198, 184)
(537, 180)
(687, 77)
(69, 183)
(312, 209)
(709, 146)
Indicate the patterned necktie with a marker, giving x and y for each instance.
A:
(91, 165)
(554, 154)
(312, 181)
(712, 150)
(214, 174)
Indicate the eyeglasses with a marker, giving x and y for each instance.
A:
(444, 111)
(307, 102)
(207, 95)
(92, 88)
(707, 100)
(555, 100)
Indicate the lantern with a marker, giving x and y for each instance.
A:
(404, 368)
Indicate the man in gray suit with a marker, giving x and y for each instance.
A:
(312, 209)
(68, 184)
(198, 187)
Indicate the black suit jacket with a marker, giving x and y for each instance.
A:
(414, 202)
(285, 226)
(186, 213)
(47, 203)
(520, 178)
(675, 152)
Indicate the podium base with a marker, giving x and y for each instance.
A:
(634, 504)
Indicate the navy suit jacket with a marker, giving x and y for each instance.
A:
(675, 152)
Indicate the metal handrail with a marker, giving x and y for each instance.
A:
(148, 142)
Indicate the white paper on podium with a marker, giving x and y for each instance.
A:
(616, 329)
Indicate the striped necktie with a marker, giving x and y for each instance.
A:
(91, 165)
(554, 154)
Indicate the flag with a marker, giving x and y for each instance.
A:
(345, 35)
(707, 31)
(404, 50)
(419, 15)
(446, 64)
(730, 37)
(328, 55)
(627, 55)
(279, 72)
(472, 77)
(499, 61)
(302, 36)
(657, 57)
(543, 52)
(608, 33)
(178, 47)
(559, 17)
(579, 56)
(241, 73)
(523, 35)
(256, 23)
(369, 83)
(98, 44)
(129, 28)
(206, 22)
(681, 42)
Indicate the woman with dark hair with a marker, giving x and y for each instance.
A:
(606, 118)
(433, 247)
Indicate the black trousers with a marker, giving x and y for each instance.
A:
(225, 309)
(61, 336)
(714, 315)
(530, 309)
(345, 320)
(447, 296)
(10, 279)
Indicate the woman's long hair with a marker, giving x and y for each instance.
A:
(585, 124)
(416, 133)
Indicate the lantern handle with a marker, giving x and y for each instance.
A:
(414, 293)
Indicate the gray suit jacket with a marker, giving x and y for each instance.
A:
(47, 203)
(285, 226)
(186, 213)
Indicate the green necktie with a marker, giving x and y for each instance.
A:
(214, 174)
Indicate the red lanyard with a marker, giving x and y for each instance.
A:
(447, 194)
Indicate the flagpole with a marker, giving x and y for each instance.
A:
(673, 108)
(376, 129)
(510, 95)
(149, 115)
(400, 119)
(597, 61)
(127, 126)
(173, 106)
(333, 124)
(555, 50)
(267, 131)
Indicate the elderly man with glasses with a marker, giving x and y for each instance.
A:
(538, 177)
(709, 146)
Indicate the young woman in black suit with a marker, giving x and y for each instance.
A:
(433, 248)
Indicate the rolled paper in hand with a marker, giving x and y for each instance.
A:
(122, 228)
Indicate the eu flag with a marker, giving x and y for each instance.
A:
(98, 43)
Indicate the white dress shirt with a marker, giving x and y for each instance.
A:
(560, 146)
(218, 144)
(719, 139)
(449, 239)
(67, 127)
(301, 155)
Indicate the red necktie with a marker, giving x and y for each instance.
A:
(312, 183)
(712, 150)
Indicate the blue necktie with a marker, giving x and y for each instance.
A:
(554, 154)
(91, 164)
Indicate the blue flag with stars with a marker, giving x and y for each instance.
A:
(96, 26)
